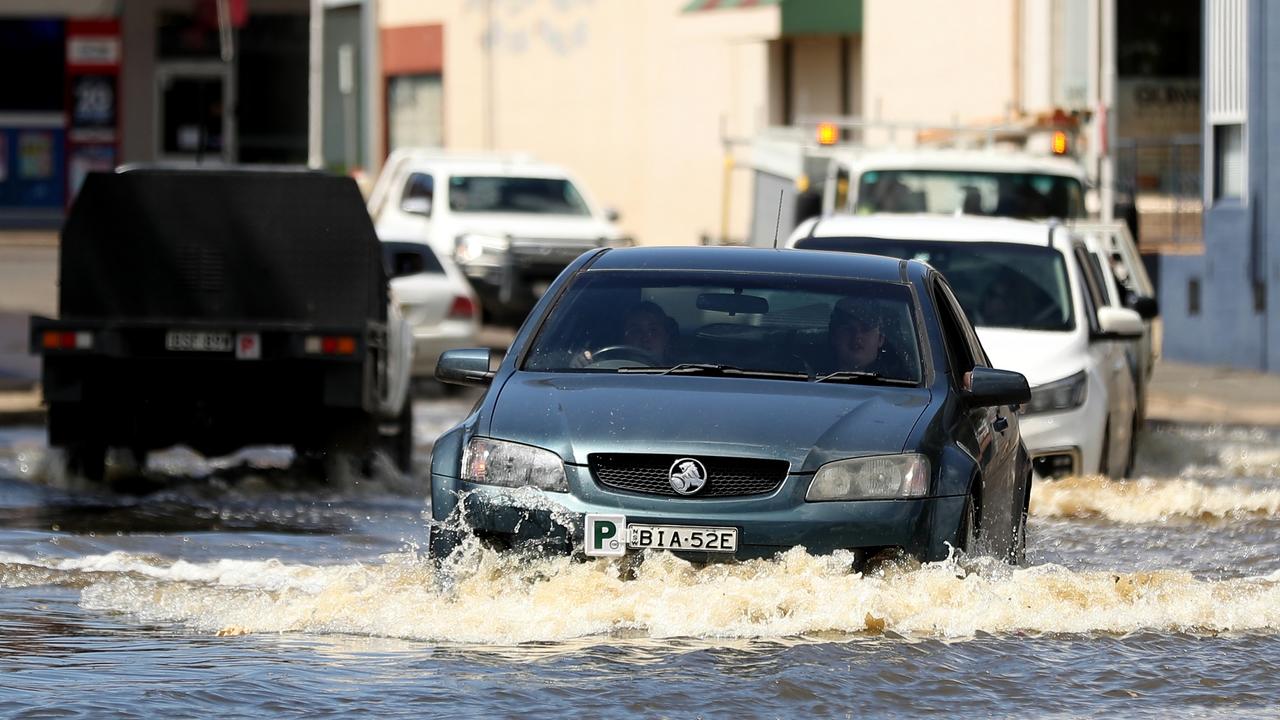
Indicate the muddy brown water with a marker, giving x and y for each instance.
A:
(236, 588)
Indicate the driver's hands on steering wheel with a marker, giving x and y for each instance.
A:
(617, 354)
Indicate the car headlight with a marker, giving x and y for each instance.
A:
(507, 464)
(1063, 394)
(469, 249)
(866, 478)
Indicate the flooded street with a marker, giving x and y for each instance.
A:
(241, 589)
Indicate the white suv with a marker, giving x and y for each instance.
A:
(510, 223)
(1031, 292)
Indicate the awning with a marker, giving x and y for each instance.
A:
(697, 5)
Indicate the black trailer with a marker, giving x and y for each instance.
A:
(219, 309)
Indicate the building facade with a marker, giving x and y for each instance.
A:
(1220, 303)
(97, 83)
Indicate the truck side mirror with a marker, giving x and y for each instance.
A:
(468, 366)
(1146, 307)
(612, 214)
(417, 206)
(1119, 324)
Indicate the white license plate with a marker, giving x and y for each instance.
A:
(611, 536)
(193, 341)
(682, 537)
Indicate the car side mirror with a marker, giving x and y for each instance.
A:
(468, 366)
(417, 206)
(1119, 324)
(1146, 307)
(986, 387)
(612, 214)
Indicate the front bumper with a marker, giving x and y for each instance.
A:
(1068, 442)
(766, 524)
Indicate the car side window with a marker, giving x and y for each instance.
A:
(1091, 288)
(959, 353)
(419, 186)
(1100, 274)
(975, 345)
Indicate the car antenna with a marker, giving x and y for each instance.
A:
(778, 222)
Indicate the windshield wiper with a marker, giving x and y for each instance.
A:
(716, 369)
(865, 378)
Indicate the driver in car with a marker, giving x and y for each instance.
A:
(647, 336)
(648, 327)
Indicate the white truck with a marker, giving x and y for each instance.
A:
(807, 170)
(509, 222)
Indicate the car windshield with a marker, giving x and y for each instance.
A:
(721, 323)
(1020, 195)
(540, 196)
(1003, 285)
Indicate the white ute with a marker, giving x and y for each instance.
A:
(1033, 296)
(509, 222)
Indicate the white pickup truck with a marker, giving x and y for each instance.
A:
(509, 222)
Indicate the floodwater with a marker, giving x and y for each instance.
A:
(236, 588)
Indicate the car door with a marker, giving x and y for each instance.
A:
(1110, 357)
(1137, 350)
(992, 430)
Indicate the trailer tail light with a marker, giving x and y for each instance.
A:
(828, 133)
(66, 340)
(462, 308)
(1059, 143)
(330, 345)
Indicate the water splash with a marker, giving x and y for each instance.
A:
(507, 598)
(1148, 500)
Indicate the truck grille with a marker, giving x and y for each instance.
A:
(649, 474)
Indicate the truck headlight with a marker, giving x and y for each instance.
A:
(471, 249)
(507, 464)
(866, 478)
(1063, 394)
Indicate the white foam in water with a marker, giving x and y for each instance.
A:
(1147, 500)
(509, 598)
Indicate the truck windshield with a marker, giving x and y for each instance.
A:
(540, 196)
(1021, 195)
(1002, 285)
(734, 325)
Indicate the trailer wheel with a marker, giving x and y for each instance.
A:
(397, 438)
(88, 462)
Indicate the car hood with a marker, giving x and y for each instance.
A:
(806, 424)
(1040, 355)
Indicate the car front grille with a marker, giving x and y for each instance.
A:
(650, 474)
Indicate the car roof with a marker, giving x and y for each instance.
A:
(975, 160)
(477, 163)
(922, 226)
(754, 260)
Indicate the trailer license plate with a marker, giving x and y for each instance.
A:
(193, 341)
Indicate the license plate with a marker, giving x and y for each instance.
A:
(192, 341)
(611, 536)
(682, 537)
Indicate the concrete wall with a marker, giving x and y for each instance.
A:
(630, 96)
(939, 60)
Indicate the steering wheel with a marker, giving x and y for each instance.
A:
(621, 356)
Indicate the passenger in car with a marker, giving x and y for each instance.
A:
(856, 335)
